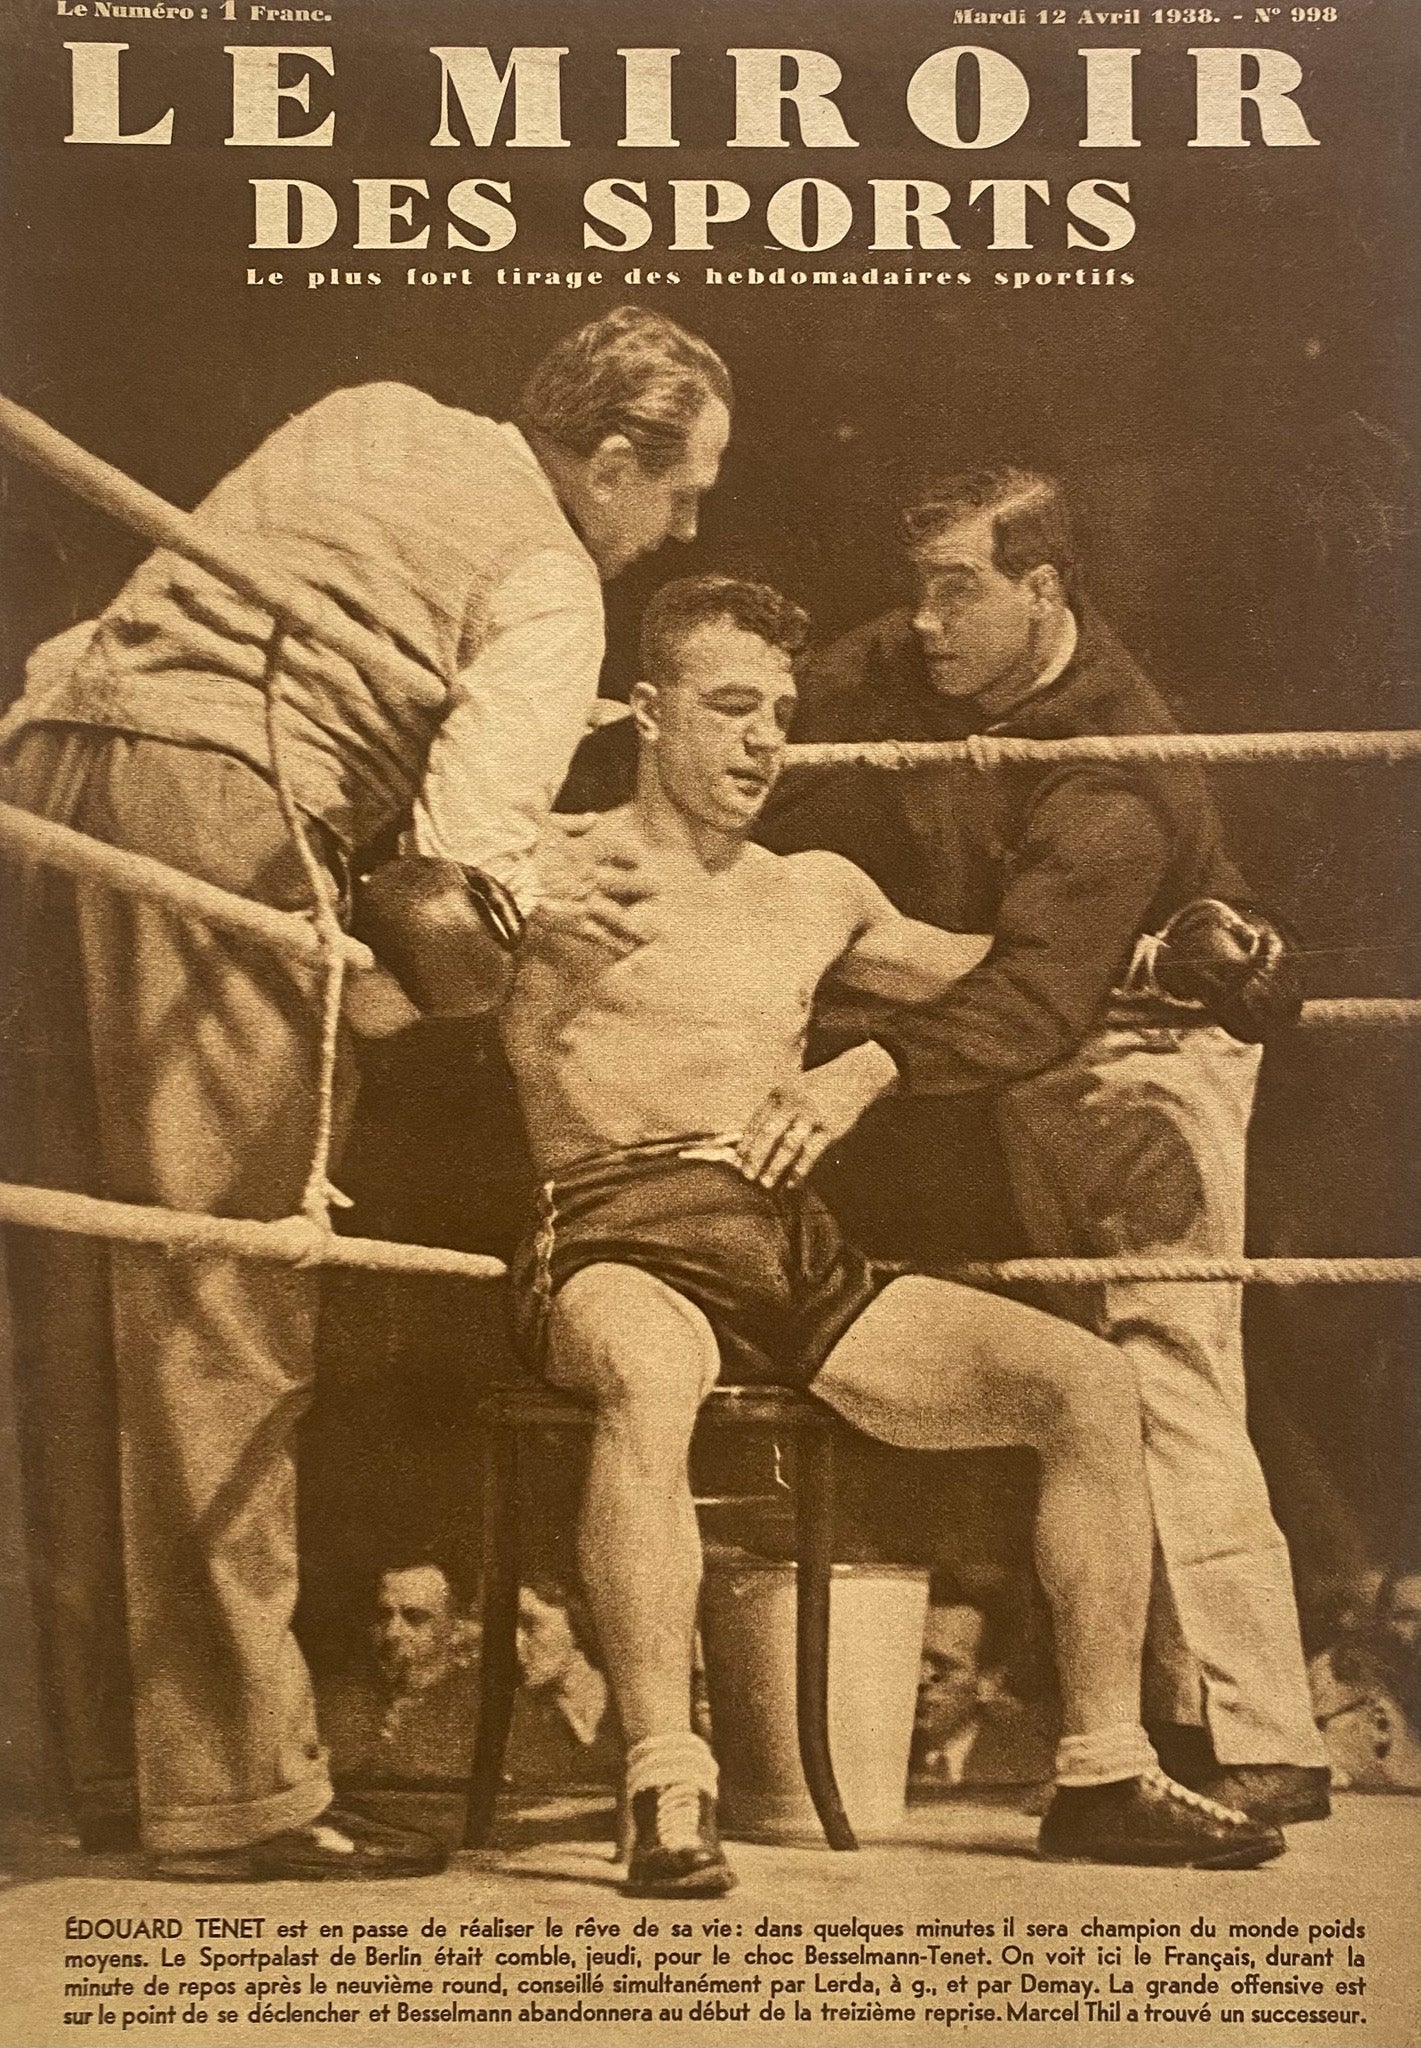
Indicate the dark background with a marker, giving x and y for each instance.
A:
(1237, 429)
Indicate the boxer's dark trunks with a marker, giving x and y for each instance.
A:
(770, 1271)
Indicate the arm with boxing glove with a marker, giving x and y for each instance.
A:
(445, 935)
(445, 920)
(1235, 965)
(442, 935)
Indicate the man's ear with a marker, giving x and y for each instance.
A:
(610, 464)
(645, 701)
(1044, 582)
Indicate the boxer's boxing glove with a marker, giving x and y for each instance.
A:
(1235, 964)
(444, 931)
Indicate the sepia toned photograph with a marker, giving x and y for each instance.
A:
(708, 1019)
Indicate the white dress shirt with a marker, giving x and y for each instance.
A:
(517, 713)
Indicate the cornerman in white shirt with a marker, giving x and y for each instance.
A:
(160, 1060)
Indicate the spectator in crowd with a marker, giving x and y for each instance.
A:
(970, 1727)
(411, 1719)
(403, 1720)
(1366, 1691)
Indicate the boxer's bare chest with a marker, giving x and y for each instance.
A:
(689, 1031)
(744, 945)
(741, 949)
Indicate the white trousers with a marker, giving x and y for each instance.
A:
(1138, 1144)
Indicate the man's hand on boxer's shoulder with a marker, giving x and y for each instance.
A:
(799, 1119)
(591, 886)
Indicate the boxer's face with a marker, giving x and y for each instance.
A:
(1402, 1618)
(414, 1627)
(626, 511)
(949, 1676)
(546, 1644)
(981, 631)
(719, 726)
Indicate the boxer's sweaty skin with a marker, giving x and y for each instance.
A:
(689, 1033)
(692, 1031)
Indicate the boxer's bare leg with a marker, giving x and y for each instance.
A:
(934, 1366)
(646, 1357)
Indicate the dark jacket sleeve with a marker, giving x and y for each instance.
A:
(1087, 869)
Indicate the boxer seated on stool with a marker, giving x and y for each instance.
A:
(673, 1126)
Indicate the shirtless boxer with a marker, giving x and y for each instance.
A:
(673, 1126)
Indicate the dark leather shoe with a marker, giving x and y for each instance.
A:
(1279, 1794)
(1151, 1820)
(676, 1852)
(338, 1844)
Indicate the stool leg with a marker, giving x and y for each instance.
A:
(498, 1657)
(814, 1528)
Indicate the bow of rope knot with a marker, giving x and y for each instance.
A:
(299, 1241)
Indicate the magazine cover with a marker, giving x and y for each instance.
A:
(710, 980)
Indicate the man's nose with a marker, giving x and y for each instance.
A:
(685, 524)
(926, 624)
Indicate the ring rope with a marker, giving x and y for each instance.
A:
(999, 750)
(301, 1241)
(316, 1196)
(289, 1241)
(1127, 1268)
(1388, 1013)
(30, 837)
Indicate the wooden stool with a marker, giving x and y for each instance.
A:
(505, 1412)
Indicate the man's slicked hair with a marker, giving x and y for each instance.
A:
(414, 1561)
(1030, 523)
(679, 608)
(633, 372)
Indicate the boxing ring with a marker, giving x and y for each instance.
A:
(316, 939)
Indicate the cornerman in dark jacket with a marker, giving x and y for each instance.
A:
(1117, 1021)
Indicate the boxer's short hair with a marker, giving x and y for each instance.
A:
(679, 608)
